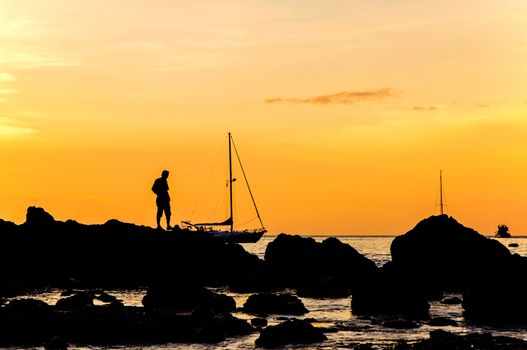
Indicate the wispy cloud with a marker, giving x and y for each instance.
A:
(346, 97)
(10, 127)
(5, 77)
(424, 108)
(7, 91)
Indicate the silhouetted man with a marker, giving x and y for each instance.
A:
(160, 188)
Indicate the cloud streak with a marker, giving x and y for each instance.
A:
(346, 97)
(12, 128)
(4, 77)
(7, 91)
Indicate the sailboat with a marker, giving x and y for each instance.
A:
(225, 230)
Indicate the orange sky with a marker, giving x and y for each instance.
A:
(343, 112)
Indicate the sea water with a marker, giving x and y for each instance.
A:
(334, 314)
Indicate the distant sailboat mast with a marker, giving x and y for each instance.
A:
(441, 207)
(230, 182)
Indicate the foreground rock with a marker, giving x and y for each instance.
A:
(391, 292)
(326, 269)
(267, 303)
(34, 323)
(441, 254)
(500, 296)
(290, 332)
(113, 255)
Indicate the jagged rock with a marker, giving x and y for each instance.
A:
(37, 216)
(290, 332)
(187, 297)
(266, 303)
(302, 263)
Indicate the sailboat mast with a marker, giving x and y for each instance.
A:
(441, 191)
(230, 182)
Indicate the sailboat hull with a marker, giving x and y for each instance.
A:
(237, 236)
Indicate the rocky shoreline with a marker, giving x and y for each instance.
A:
(438, 256)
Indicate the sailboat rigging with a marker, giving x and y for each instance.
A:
(231, 235)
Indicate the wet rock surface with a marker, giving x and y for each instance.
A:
(438, 255)
(290, 332)
(31, 322)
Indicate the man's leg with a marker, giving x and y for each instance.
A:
(159, 215)
(168, 214)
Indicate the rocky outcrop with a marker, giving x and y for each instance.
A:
(113, 255)
(290, 332)
(267, 303)
(442, 254)
(38, 217)
(326, 269)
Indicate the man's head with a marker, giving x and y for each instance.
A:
(164, 174)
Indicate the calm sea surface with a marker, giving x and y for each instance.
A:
(332, 313)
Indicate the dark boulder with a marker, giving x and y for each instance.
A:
(444, 255)
(290, 332)
(212, 327)
(442, 322)
(77, 300)
(267, 303)
(499, 295)
(400, 324)
(441, 340)
(325, 287)
(186, 297)
(391, 292)
(303, 263)
(259, 322)
(105, 297)
(25, 322)
(56, 343)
